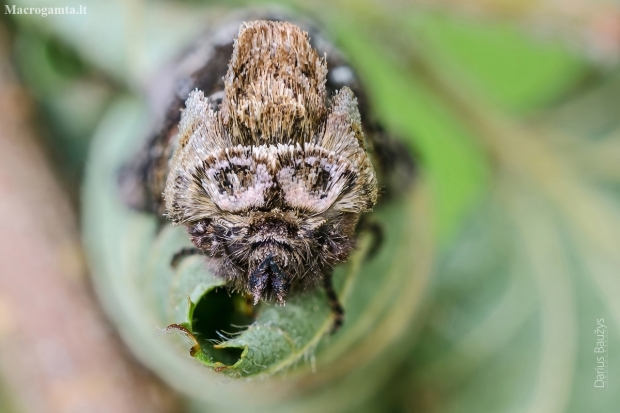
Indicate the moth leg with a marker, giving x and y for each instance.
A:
(334, 303)
(184, 252)
(375, 229)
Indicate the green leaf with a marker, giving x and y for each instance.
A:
(516, 69)
(510, 324)
(131, 254)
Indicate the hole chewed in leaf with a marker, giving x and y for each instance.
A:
(217, 317)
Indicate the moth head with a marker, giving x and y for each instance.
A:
(265, 253)
(274, 180)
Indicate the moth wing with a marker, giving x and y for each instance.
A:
(202, 66)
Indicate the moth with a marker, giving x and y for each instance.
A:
(270, 156)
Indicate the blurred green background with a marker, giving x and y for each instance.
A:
(513, 109)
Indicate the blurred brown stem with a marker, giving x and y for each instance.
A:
(57, 352)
